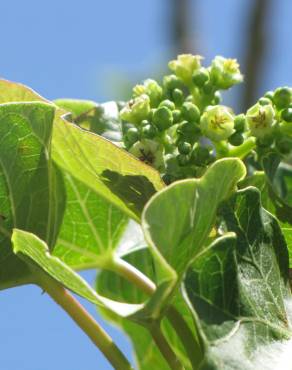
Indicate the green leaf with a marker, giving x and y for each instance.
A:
(35, 252)
(177, 223)
(239, 291)
(271, 203)
(120, 178)
(117, 288)
(178, 220)
(91, 228)
(90, 225)
(116, 175)
(31, 188)
(102, 119)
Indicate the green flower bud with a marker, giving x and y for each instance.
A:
(260, 119)
(284, 145)
(184, 147)
(286, 114)
(149, 152)
(188, 131)
(225, 73)
(184, 66)
(168, 104)
(217, 98)
(236, 139)
(145, 122)
(264, 101)
(183, 159)
(162, 118)
(178, 97)
(132, 135)
(200, 156)
(208, 88)
(200, 77)
(265, 142)
(269, 95)
(172, 82)
(168, 178)
(217, 123)
(240, 123)
(136, 109)
(190, 112)
(152, 89)
(149, 131)
(282, 97)
(176, 114)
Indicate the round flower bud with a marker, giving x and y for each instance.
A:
(176, 114)
(162, 118)
(168, 104)
(184, 147)
(236, 139)
(188, 131)
(208, 88)
(217, 98)
(217, 123)
(172, 82)
(269, 95)
(240, 123)
(136, 109)
(149, 131)
(184, 66)
(286, 114)
(152, 89)
(265, 141)
(225, 73)
(260, 119)
(282, 97)
(200, 77)
(190, 112)
(200, 156)
(284, 145)
(178, 97)
(132, 135)
(264, 101)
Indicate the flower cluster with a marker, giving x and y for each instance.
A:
(179, 127)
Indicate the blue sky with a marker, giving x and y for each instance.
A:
(73, 49)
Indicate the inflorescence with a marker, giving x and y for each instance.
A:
(179, 127)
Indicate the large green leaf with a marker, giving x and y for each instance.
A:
(31, 189)
(239, 291)
(113, 173)
(91, 228)
(178, 220)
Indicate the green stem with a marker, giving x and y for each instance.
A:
(192, 345)
(242, 150)
(189, 341)
(85, 321)
(165, 348)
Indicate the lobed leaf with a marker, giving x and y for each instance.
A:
(239, 290)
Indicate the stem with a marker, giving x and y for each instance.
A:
(85, 321)
(242, 150)
(165, 348)
(191, 344)
(133, 275)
